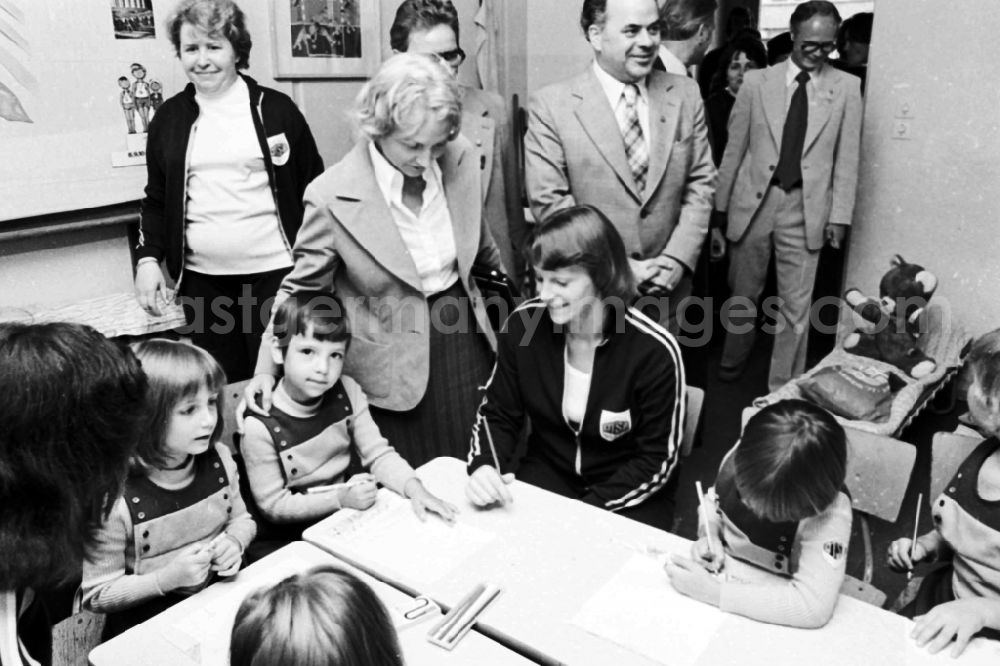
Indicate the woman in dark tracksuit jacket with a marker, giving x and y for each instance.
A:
(601, 384)
(212, 43)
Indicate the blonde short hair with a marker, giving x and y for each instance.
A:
(323, 617)
(408, 89)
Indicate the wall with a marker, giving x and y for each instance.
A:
(931, 153)
(58, 269)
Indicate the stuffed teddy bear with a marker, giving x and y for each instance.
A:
(893, 321)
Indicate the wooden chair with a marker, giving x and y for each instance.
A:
(948, 451)
(695, 400)
(233, 393)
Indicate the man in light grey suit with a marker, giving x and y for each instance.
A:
(787, 180)
(630, 141)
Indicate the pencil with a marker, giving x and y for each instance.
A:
(703, 516)
(916, 530)
(493, 449)
(471, 614)
(451, 618)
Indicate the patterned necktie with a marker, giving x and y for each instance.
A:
(413, 193)
(627, 114)
(793, 137)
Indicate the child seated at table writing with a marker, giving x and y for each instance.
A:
(296, 457)
(962, 599)
(180, 520)
(321, 617)
(782, 525)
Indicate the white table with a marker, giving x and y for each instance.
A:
(551, 555)
(196, 630)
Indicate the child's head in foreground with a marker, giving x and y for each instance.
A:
(791, 461)
(984, 389)
(311, 337)
(185, 401)
(323, 617)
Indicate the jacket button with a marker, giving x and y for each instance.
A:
(135, 500)
(295, 471)
(145, 535)
(221, 480)
(760, 195)
(635, 255)
(145, 548)
(225, 496)
(229, 510)
(216, 465)
(290, 456)
(770, 167)
(778, 565)
(141, 515)
(941, 502)
(644, 213)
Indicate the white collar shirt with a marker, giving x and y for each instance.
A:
(672, 63)
(791, 84)
(429, 237)
(613, 89)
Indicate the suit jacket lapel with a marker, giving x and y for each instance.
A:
(823, 93)
(663, 114)
(363, 212)
(464, 202)
(598, 121)
(774, 92)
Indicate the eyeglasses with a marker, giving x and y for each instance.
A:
(455, 57)
(813, 47)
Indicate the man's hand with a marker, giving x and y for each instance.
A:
(834, 235)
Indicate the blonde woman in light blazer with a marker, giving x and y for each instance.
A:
(421, 344)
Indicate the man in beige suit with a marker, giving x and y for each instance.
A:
(630, 141)
(431, 26)
(788, 180)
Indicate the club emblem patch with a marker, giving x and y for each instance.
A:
(834, 552)
(280, 150)
(615, 424)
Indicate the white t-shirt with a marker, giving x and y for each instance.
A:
(232, 223)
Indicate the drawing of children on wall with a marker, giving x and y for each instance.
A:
(128, 103)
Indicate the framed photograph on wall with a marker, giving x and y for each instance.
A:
(325, 39)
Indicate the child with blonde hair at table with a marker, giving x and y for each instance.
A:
(180, 520)
(781, 524)
(323, 617)
(961, 600)
(296, 457)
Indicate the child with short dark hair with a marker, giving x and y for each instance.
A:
(323, 617)
(296, 457)
(961, 600)
(783, 520)
(180, 520)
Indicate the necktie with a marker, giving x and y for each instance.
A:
(788, 173)
(627, 114)
(413, 193)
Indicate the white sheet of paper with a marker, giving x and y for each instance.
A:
(389, 537)
(637, 608)
(203, 635)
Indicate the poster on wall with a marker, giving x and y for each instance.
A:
(75, 102)
(325, 38)
(133, 19)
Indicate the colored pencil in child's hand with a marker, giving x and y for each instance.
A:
(916, 530)
(703, 519)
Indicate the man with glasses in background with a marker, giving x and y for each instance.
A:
(787, 182)
(431, 26)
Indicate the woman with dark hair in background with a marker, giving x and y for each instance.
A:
(223, 204)
(69, 420)
(602, 384)
(737, 59)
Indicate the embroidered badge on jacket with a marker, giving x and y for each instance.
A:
(280, 150)
(834, 552)
(615, 424)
